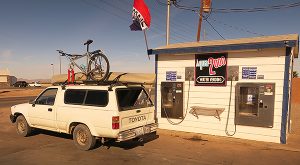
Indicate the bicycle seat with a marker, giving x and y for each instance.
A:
(88, 42)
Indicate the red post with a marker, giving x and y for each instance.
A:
(71, 76)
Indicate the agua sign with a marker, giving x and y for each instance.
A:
(210, 69)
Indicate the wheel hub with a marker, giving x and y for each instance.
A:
(21, 126)
(82, 137)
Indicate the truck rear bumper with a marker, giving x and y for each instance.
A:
(136, 132)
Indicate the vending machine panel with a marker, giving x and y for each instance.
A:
(254, 104)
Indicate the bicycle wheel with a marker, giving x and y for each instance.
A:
(98, 67)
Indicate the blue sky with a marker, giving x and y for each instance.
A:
(32, 30)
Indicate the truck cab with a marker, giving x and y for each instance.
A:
(89, 112)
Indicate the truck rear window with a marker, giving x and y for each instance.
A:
(86, 97)
(132, 98)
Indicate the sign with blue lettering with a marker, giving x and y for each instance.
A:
(171, 75)
(249, 72)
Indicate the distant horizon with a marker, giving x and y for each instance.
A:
(31, 34)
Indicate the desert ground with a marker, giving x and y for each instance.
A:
(164, 147)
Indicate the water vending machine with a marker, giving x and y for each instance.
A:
(254, 104)
(172, 100)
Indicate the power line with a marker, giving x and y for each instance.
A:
(237, 28)
(230, 10)
(214, 29)
(154, 26)
(193, 9)
(257, 9)
(181, 26)
(161, 3)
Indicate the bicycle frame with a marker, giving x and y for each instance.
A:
(72, 60)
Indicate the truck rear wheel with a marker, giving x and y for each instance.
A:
(22, 126)
(83, 138)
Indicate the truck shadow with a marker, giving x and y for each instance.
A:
(130, 144)
(126, 145)
(50, 133)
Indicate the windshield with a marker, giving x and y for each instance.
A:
(132, 98)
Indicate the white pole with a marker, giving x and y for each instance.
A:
(59, 64)
(168, 23)
(145, 36)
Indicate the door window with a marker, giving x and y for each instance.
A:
(47, 97)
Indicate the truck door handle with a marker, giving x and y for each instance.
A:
(138, 111)
(50, 109)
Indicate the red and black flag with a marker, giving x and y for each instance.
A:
(140, 16)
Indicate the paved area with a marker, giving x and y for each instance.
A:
(164, 148)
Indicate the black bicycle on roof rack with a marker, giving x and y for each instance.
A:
(97, 63)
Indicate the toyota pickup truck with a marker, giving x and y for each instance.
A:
(89, 113)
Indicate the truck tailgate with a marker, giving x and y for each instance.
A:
(135, 118)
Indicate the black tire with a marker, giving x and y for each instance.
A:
(83, 138)
(98, 67)
(22, 126)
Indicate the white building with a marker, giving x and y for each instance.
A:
(5, 79)
(239, 87)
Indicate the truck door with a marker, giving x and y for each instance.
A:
(42, 112)
(136, 108)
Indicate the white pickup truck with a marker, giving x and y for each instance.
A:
(35, 84)
(88, 113)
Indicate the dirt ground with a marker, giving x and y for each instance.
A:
(170, 147)
(16, 92)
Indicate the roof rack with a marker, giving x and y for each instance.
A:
(113, 83)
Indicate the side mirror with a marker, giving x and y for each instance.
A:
(32, 102)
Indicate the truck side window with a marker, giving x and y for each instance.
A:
(47, 97)
(86, 97)
(96, 98)
(75, 96)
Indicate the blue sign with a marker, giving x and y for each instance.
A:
(249, 72)
(171, 75)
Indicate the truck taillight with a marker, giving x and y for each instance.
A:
(115, 122)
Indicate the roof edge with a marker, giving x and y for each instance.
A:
(280, 41)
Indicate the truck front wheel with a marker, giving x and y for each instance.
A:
(83, 138)
(22, 126)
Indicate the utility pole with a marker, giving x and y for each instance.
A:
(205, 8)
(200, 20)
(59, 64)
(168, 23)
